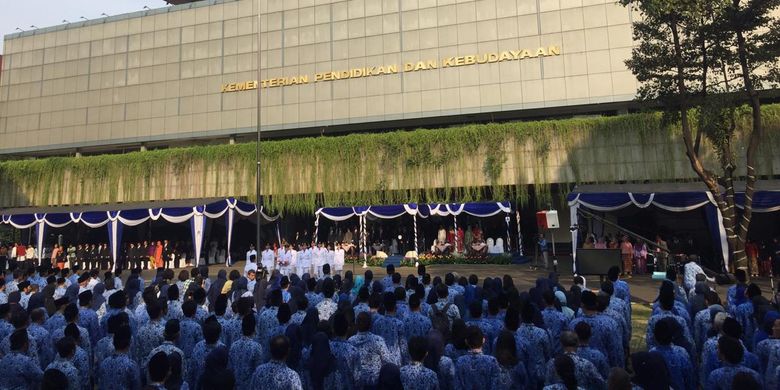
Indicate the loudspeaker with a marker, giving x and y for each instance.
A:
(547, 219)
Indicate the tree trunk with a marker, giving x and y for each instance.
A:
(709, 179)
(752, 150)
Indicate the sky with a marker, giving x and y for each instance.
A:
(45, 13)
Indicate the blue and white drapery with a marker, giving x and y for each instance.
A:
(197, 227)
(763, 202)
(115, 221)
(482, 210)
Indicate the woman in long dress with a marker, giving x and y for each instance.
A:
(158, 249)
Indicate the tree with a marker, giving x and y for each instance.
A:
(701, 60)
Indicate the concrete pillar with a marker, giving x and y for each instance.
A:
(232, 140)
(143, 147)
(78, 153)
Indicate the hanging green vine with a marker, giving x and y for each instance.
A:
(512, 160)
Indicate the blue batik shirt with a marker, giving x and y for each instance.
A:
(190, 334)
(70, 371)
(346, 356)
(722, 378)
(266, 323)
(56, 321)
(744, 314)
(489, 330)
(678, 362)
(391, 329)
(32, 350)
(88, 320)
(585, 372)
(446, 373)
(768, 353)
(361, 308)
(416, 377)
(515, 377)
(597, 358)
(82, 363)
(19, 372)
(678, 309)
(44, 342)
(711, 362)
(650, 338)
(702, 324)
(6, 329)
(149, 337)
(372, 355)
(623, 308)
(245, 356)
(84, 341)
(197, 360)
(603, 337)
(298, 317)
(231, 329)
(416, 324)
(141, 315)
(313, 298)
(537, 346)
(119, 372)
(174, 310)
(475, 371)
(201, 314)
(275, 375)
(555, 322)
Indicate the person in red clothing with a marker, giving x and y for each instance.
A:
(627, 253)
(751, 250)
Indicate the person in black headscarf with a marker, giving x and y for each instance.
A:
(650, 371)
(437, 362)
(216, 374)
(294, 334)
(389, 378)
(322, 363)
(457, 346)
(309, 325)
(72, 292)
(216, 288)
(239, 289)
(132, 289)
(261, 292)
(97, 296)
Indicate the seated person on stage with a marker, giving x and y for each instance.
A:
(479, 247)
(440, 248)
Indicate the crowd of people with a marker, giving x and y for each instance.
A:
(142, 254)
(63, 329)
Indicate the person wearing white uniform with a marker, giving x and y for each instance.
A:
(285, 258)
(267, 259)
(303, 263)
(329, 257)
(293, 260)
(251, 252)
(251, 265)
(338, 259)
(314, 254)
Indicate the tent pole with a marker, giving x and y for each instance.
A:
(259, 121)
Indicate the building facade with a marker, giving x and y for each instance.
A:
(188, 73)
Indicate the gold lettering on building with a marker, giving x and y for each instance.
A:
(415, 66)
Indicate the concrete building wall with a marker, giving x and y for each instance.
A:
(159, 75)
